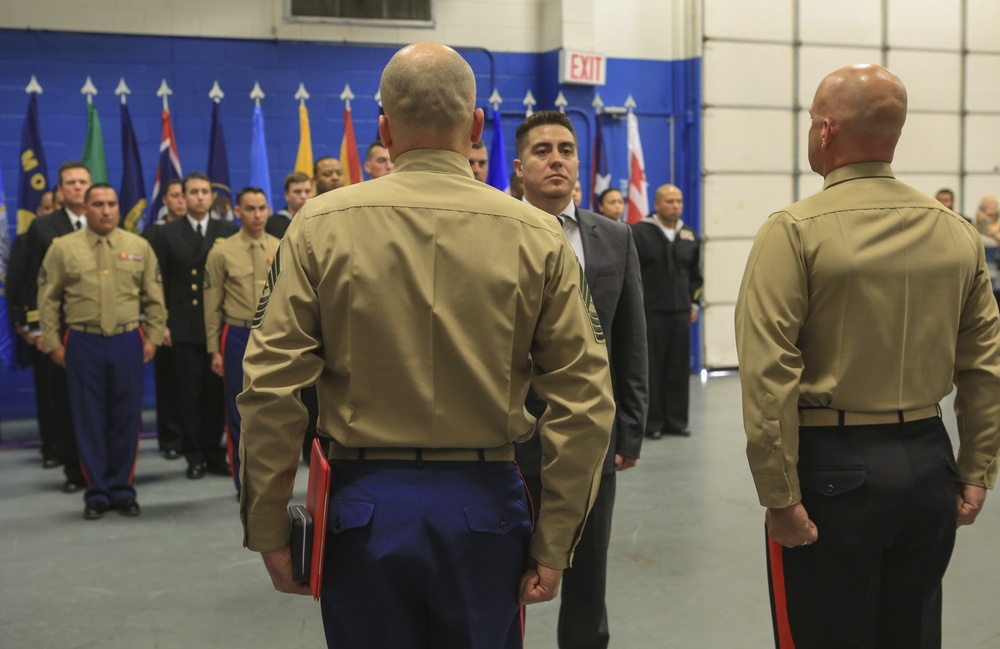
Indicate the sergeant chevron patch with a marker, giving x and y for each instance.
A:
(588, 300)
(272, 277)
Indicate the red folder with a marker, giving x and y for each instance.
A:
(317, 504)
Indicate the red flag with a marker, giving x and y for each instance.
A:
(638, 199)
(349, 152)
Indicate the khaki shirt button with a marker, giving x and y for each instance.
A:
(782, 490)
(194, 302)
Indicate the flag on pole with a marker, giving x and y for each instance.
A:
(600, 179)
(349, 159)
(93, 149)
(497, 176)
(132, 197)
(7, 337)
(304, 158)
(218, 169)
(638, 201)
(168, 168)
(260, 175)
(32, 177)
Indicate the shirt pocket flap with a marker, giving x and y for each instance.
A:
(832, 481)
(349, 515)
(495, 518)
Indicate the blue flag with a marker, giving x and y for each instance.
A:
(218, 169)
(600, 178)
(497, 176)
(7, 337)
(168, 168)
(32, 177)
(260, 175)
(132, 197)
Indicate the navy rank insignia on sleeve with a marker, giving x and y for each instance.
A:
(272, 277)
(588, 301)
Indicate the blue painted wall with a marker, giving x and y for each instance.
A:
(665, 92)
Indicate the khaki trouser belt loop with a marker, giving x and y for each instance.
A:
(831, 417)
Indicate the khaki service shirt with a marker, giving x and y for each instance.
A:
(868, 296)
(431, 301)
(70, 278)
(235, 272)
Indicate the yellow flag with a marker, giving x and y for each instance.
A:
(304, 159)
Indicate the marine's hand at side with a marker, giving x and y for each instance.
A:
(538, 584)
(970, 502)
(791, 526)
(279, 566)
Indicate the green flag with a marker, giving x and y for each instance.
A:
(93, 149)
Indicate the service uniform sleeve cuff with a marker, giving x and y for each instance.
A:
(978, 469)
(777, 490)
(549, 556)
(266, 531)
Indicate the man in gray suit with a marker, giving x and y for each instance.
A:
(548, 164)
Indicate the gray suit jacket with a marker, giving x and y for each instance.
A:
(613, 274)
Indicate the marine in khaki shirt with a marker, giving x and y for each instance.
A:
(72, 278)
(422, 304)
(860, 309)
(103, 280)
(235, 274)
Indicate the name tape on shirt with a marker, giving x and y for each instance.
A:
(265, 296)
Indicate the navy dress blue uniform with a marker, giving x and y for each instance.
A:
(199, 392)
(55, 426)
(103, 284)
(671, 282)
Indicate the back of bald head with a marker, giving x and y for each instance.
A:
(428, 86)
(868, 103)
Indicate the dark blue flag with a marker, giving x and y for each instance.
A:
(7, 336)
(497, 175)
(600, 178)
(218, 169)
(32, 176)
(132, 197)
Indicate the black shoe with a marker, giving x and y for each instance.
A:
(195, 472)
(71, 487)
(49, 463)
(128, 507)
(654, 434)
(219, 467)
(170, 454)
(678, 433)
(94, 510)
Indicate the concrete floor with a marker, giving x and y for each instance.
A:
(686, 559)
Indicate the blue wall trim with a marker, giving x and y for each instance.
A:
(665, 92)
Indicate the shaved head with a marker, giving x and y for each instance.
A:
(430, 86)
(857, 116)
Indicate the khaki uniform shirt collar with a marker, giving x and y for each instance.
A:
(432, 160)
(93, 237)
(249, 242)
(856, 171)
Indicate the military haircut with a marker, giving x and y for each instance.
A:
(194, 175)
(299, 177)
(251, 190)
(541, 118)
(428, 88)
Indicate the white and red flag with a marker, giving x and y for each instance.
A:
(637, 204)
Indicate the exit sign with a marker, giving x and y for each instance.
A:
(585, 68)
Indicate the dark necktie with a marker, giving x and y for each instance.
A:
(201, 235)
(76, 225)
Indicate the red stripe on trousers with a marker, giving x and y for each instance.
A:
(778, 593)
(229, 433)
